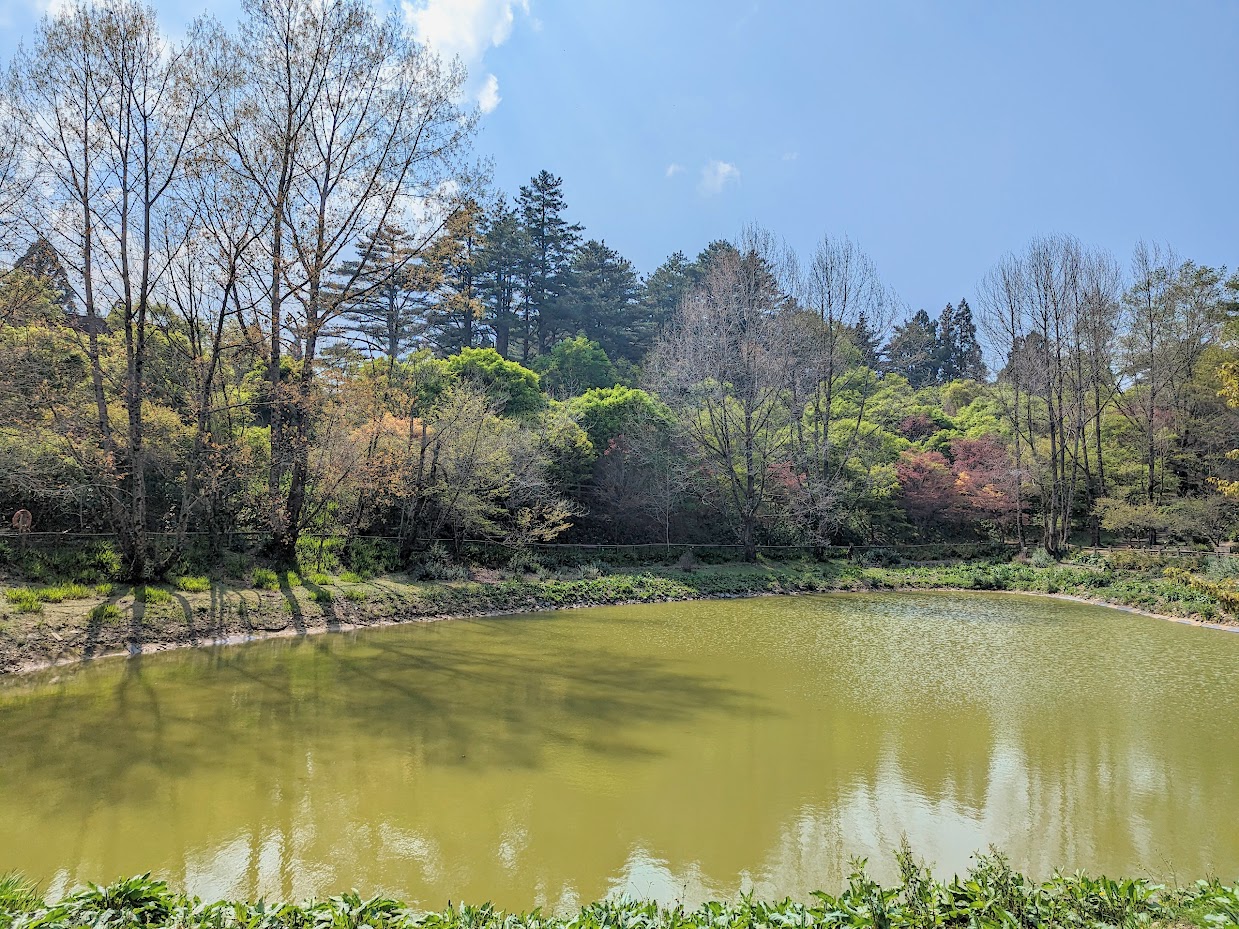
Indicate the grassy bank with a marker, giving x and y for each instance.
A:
(69, 617)
(991, 894)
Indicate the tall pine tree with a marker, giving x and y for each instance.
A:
(867, 342)
(959, 352)
(913, 350)
(665, 288)
(42, 262)
(386, 303)
(701, 265)
(602, 289)
(499, 265)
(453, 319)
(551, 240)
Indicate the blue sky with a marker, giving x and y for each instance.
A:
(938, 135)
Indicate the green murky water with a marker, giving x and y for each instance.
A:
(673, 751)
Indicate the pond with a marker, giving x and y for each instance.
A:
(671, 751)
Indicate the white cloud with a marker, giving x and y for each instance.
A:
(790, 156)
(488, 96)
(466, 29)
(52, 7)
(716, 175)
(673, 169)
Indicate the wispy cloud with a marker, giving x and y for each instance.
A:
(467, 29)
(42, 7)
(715, 176)
(488, 96)
(790, 156)
(673, 169)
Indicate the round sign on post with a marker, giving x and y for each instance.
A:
(22, 521)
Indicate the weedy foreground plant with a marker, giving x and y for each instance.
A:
(990, 894)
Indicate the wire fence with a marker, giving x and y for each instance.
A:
(241, 539)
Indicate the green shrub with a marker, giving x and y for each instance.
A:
(1152, 562)
(320, 579)
(99, 562)
(879, 558)
(524, 561)
(234, 564)
(1040, 558)
(24, 600)
(265, 579)
(991, 893)
(369, 557)
(103, 590)
(319, 554)
(1223, 567)
(351, 577)
(355, 594)
(1095, 559)
(93, 563)
(321, 596)
(198, 558)
(193, 583)
(437, 564)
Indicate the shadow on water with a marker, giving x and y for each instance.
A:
(451, 700)
(824, 727)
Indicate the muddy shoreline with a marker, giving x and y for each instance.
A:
(260, 620)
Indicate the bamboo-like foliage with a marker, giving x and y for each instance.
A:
(991, 894)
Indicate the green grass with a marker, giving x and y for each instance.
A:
(351, 577)
(147, 594)
(62, 592)
(17, 896)
(105, 613)
(355, 595)
(319, 579)
(321, 596)
(991, 894)
(24, 600)
(265, 579)
(193, 583)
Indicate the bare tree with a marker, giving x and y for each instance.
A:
(15, 177)
(1102, 282)
(1044, 313)
(723, 364)
(841, 293)
(341, 125)
(1003, 325)
(209, 301)
(1171, 313)
(109, 107)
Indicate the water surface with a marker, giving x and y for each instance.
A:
(676, 751)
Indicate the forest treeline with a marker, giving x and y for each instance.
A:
(255, 281)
